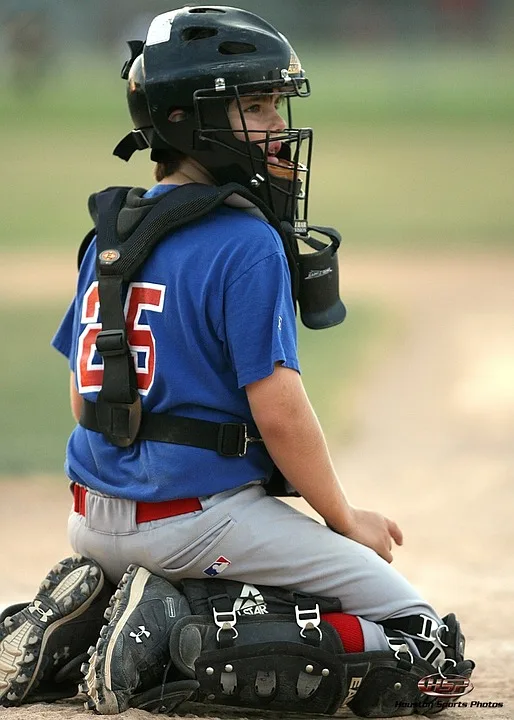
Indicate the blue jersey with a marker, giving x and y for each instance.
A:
(209, 312)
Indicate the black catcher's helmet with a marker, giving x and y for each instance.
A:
(200, 59)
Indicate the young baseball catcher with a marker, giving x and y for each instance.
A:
(192, 421)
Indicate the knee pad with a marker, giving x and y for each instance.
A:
(269, 649)
(259, 647)
(266, 665)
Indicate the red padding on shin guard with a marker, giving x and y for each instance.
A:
(349, 630)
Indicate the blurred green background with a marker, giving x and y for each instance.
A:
(411, 146)
(413, 152)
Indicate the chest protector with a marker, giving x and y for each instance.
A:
(117, 412)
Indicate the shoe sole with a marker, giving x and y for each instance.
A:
(97, 673)
(67, 591)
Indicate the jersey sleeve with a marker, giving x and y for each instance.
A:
(66, 337)
(63, 338)
(260, 323)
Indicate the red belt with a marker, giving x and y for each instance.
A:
(145, 511)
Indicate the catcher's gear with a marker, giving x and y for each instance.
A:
(288, 658)
(117, 411)
(237, 645)
(199, 59)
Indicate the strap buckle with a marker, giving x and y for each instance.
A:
(225, 621)
(119, 422)
(233, 439)
(399, 646)
(111, 342)
(308, 619)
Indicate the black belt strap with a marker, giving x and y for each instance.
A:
(227, 439)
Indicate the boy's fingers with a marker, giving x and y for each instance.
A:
(395, 532)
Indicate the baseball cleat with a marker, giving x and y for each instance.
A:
(132, 653)
(40, 638)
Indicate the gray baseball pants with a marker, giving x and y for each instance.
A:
(263, 540)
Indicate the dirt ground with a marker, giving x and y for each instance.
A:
(433, 448)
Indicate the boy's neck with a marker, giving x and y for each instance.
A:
(190, 171)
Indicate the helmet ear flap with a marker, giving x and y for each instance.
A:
(136, 94)
(136, 49)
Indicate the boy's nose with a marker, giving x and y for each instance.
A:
(279, 123)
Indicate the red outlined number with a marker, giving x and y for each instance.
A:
(89, 374)
(140, 296)
(143, 296)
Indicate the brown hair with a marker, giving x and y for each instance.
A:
(169, 161)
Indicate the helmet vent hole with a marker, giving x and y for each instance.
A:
(236, 48)
(206, 10)
(198, 33)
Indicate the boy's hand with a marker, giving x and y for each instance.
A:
(373, 530)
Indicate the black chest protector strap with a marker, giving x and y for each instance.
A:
(118, 405)
(117, 413)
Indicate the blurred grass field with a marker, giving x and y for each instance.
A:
(414, 150)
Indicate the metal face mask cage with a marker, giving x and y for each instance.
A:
(284, 185)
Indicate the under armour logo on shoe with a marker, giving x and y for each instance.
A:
(139, 635)
(36, 608)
